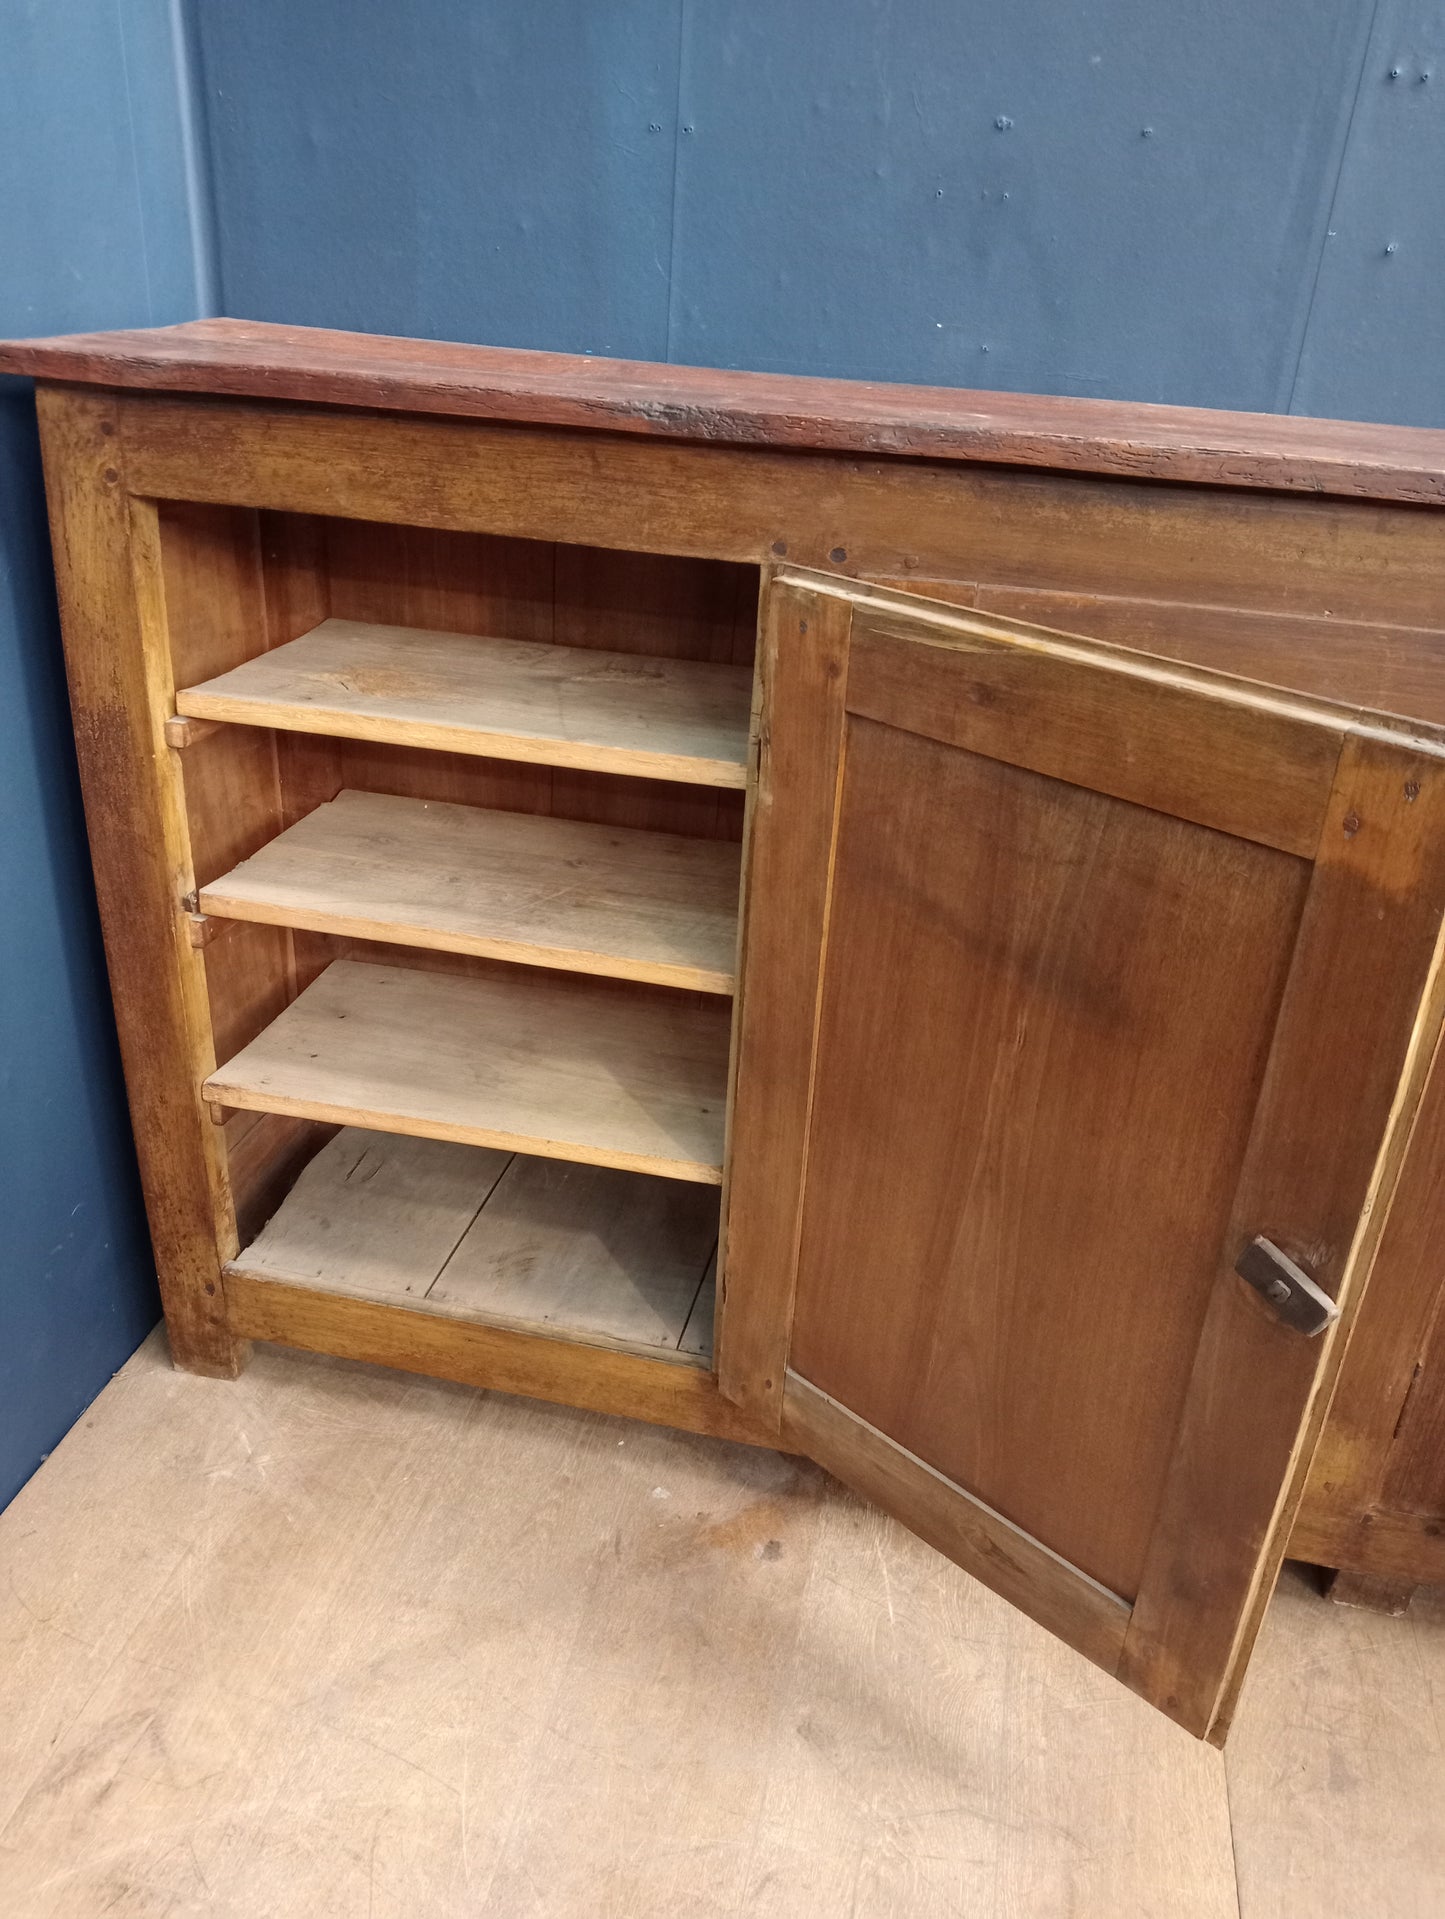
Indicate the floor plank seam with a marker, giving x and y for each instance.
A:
(440, 1272)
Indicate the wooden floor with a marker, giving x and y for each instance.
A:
(338, 1642)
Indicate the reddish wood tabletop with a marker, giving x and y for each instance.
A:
(256, 360)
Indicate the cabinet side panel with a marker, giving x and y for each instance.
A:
(141, 859)
(1415, 1477)
(216, 617)
(1368, 1454)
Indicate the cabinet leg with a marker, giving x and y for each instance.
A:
(214, 1354)
(1369, 1592)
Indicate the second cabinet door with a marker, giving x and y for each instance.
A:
(1069, 975)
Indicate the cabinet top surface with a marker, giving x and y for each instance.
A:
(252, 359)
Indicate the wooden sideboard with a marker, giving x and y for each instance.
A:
(989, 847)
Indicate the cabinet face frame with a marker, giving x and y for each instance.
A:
(106, 542)
(1349, 1044)
(107, 539)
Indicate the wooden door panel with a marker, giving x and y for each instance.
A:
(1029, 1180)
(1141, 731)
(951, 1519)
(1358, 1025)
(1066, 973)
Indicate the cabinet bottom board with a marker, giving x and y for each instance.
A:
(1375, 1542)
(590, 1378)
(579, 1252)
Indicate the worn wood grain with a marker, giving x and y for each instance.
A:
(255, 359)
(1414, 1479)
(1358, 1027)
(982, 1271)
(1368, 1593)
(1006, 1558)
(1238, 763)
(663, 1390)
(113, 621)
(898, 520)
(561, 1067)
(523, 887)
(215, 618)
(1392, 1383)
(264, 1154)
(334, 1638)
(585, 1252)
(1390, 1377)
(499, 698)
(1361, 662)
(375, 1214)
(1190, 1517)
(1374, 1540)
(529, 589)
(788, 879)
(575, 1252)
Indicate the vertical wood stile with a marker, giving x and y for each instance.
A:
(112, 614)
(802, 670)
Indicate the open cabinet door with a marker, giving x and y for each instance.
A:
(1069, 974)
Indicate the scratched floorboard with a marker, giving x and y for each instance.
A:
(334, 1642)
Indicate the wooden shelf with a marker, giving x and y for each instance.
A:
(513, 886)
(563, 1068)
(504, 699)
(575, 1252)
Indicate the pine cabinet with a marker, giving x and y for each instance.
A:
(899, 925)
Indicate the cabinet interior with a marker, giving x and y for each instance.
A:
(465, 818)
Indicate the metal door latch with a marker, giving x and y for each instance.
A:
(1286, 1287)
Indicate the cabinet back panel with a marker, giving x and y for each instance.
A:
(319, 949)
(525, 590)
(317, 769)
(691, 609)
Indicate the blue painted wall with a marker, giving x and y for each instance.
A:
(1375, 346)
(95, 230)
(1225, 203)
(1102, 197)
